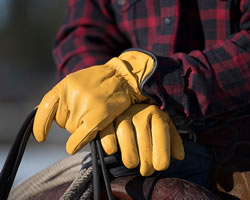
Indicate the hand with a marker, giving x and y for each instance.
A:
(146, 136)
(86, 101)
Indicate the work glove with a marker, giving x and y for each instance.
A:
(86, 101)
(146, 136)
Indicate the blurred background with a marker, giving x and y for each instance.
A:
(27, 71)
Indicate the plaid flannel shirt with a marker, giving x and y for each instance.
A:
(204, 47)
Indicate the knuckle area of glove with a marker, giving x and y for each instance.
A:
(160, 115)
(155, 110)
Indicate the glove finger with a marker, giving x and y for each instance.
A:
(108, 139)
(161, 142)
(62, 114)
(127, 142)
(144, 142)
(68, 113)
(79, 139)
(45, 115)
(70, 118)
(177, 148)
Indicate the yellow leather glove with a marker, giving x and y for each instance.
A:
(88, 100)
(146, 136)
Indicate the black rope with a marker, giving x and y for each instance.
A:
(14, 157)
(13, 160)
(104, 170)
(96, 183)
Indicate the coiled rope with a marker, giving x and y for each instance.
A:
(66, 170)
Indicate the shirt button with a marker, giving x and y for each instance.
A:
(121, 2)
(167, 20)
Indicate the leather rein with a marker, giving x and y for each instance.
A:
(13, 160)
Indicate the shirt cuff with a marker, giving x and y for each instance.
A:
(165, 87)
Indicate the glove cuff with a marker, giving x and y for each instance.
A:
(142, 64)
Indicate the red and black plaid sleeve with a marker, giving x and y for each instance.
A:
(204, 47)
(88, 37)
(212, 81)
